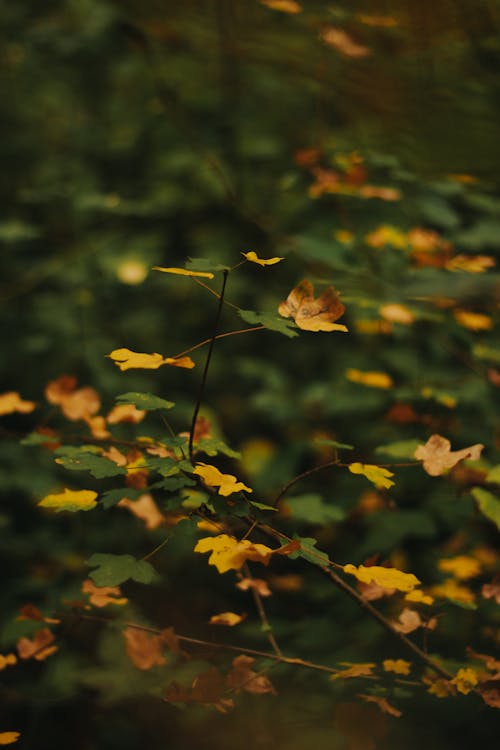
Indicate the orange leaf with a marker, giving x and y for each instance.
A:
(353, 670)
(371, 379)
(143, 649)
(11, 402)
(342, 42)
(242, 677)
(185, 362)
(7, 660)
(313, 314)
(285, 6)
(8, 738)
(409, 620)
(38, 647)
(226, 618)
(257, 584)
(146, 509)
(101, 596)
(472, 320)
(126, 359)
(382, 703)
(125, 413)
(437, 456)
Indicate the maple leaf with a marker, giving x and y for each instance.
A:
(12, 402)
(125, 413)
(38, 647)
(253, 258)
(313, 314)
(226, 618)
(375, 474)
(146, 509)
(185, 272)
(353, 670)
(230, 554)
(398, 666)
(465, 680)
(101, 596)
(143, 649)
(242, 677)
(227, 483)
(8, 738)
(7, 660)
(453, 591)
(419, 597)
(382, 703)
(372, 379)
(71, 500)
(437, 456)
(388, 578)
(126, 359)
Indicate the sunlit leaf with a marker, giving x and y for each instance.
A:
(230, 619)
(437, 456)
(70, 500)
(312, 314)
(398, 666)
(377, 475)
(388, 578)
(370, 379)
(12, 402)
(8, 738)
(253, 258)
(145, 650)
(465, 680)
(488, 504)
(185, 272)
(227, 553)
(227, 483)
(101, 596)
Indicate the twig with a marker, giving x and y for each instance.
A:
(207, 365)
(259, 605)
(219, 336)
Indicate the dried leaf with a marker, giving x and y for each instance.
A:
(382, 703)
(125, 413)
(285, 6)
(437, 456)
(242, 677)
(143, 649)
(146, 509)
(395, 313)
(409, 620)
(11, 402)
(257, 584)
(353, 670)
(312, 314)
(343, 42)
(492, 591)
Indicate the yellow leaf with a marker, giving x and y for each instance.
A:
(450, 589)
(418, 596)
(437, 456)
(143, 649)
(312, 314)
(252, 257)
(226, 618)
(71, 500)
(388, 578)
(227, 483)
(126, 359)
(185, 272)
(7, 660)
(461, 567)
(465, 680)
(185, 362)
(470, 263)
(439, 687)
(372, 379)
(472, 320)
(377, 475)
(395, 313)
(398, 666)
(230, 554)
(12, 401)
(353, 670)
(387, 235)
(8, 738)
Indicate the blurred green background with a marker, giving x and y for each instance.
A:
(141, 134)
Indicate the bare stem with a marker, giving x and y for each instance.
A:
(219, 336)
(259, 605)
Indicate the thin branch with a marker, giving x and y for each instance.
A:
(219, 336)
(299, 478)
(212, 291)
(207, 365)
(259, 605)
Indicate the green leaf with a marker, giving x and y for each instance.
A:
(35, 438)
(262, 506)
(204, 264)
(270, 321)
(173, 484)
(311, 508)
(84, 458)
(401, 449)
(146, 401)
(494, 475)
(113, 497)
(309, 552)
(213, 446)
(167, 466)
(335, 444)
(486, 353)
(112, 570)
(488, 504)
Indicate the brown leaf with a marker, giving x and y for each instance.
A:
(257, 584)
(57, 390)
(38, 647)
(492, 590)
(146, 509)
(438, 457)
(382, 703)
(242, 677)
(143, 649)
(343, 42)
(490, 693)
(125, 413)
(312, 314)
(101, 596)
(30, 612)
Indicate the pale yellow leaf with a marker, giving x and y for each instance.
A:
(185, 272)
(387, 578)
(377, 475)
(71, 500)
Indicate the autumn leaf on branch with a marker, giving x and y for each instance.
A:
(12, 402)
(253, 258)
(143, 649)
(375, 474)
(185, 272)
(388, 578)
(227, 483)
(312, 314)
(8, 738)
(230, 619)
(126, 359)
(230, 554)
(38, 647)
(71, 500)
(437, 456)
(101, 596)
